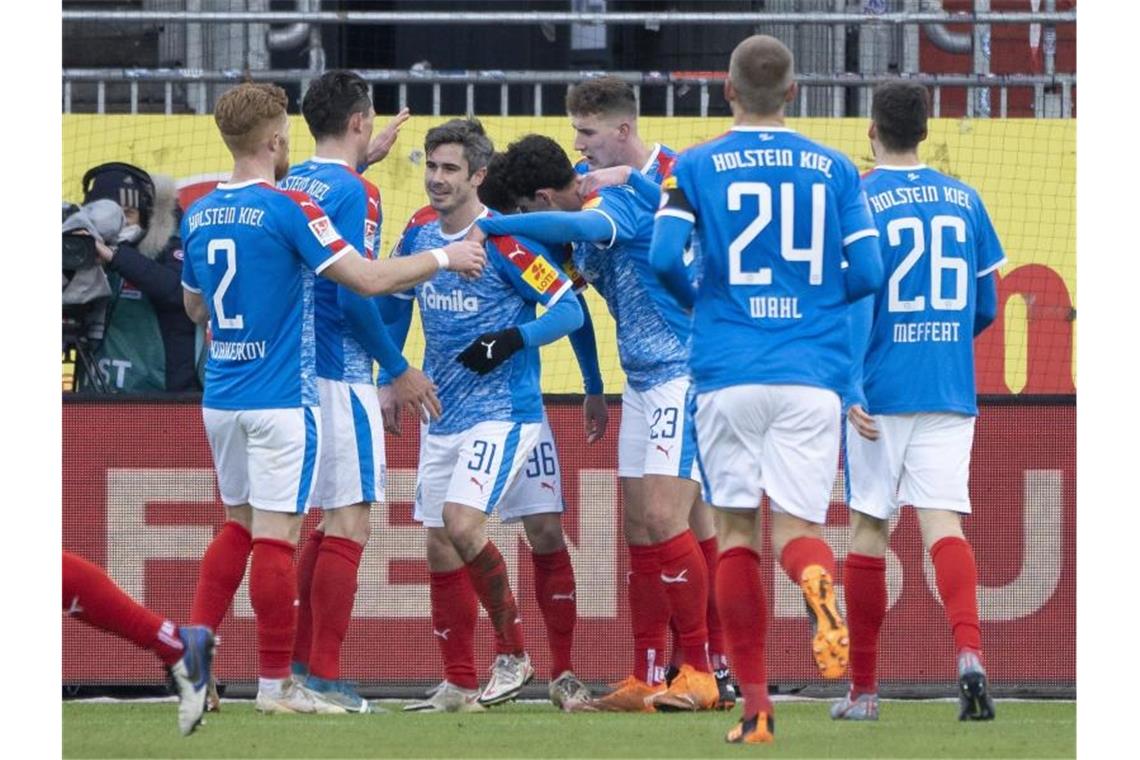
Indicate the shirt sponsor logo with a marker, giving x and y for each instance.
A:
(592, 203)
(540, 275)
(669, 183)
(324, 231)
(453, 301)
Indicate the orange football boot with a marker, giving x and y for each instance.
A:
(760, 729)
(691, 690)
(830, 645)
(630, 695)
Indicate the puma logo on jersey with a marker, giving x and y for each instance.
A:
(488, 346)
(563, 597)
(476, 482)
(665, 451)
(516, 252)
(74, 608)
(547, 486)
(442, 634)
(679, 578)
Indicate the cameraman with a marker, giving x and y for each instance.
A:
(149, 344)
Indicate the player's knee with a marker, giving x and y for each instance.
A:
(544, 533)
(869, 535)
(349, 522)
(937, 524)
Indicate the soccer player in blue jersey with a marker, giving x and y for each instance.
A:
(350, 334)
(656, 450)
(912, 404)
(787, 242)
(252, 251)
(536, 499)
(481, 350)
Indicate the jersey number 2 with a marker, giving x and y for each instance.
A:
(812, 255)
(226, 246)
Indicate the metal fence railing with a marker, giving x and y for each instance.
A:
(195, 86)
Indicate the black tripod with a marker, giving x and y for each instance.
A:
(79, 352)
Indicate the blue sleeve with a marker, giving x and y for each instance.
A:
(990, 254)
(396, 311)
(551, 226)
(532, 273)
(667, 257)
(860, 316)
(648, 190)
(308, 229)
(562, 317)
(672, 227)
(865, 268)
(985, 309)
(367, 326)
(855, 219)
(585, 346)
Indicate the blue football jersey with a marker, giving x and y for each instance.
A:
(252, 250)
(353, 205)
(455, 311)
(652, 330)
(937, 240)
(773, 212)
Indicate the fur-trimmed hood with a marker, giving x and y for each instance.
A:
(163, 218)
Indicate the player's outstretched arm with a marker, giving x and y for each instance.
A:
(552, 226)
(372, 278)
(646, 189)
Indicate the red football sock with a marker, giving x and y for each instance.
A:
(454, 611)
(220, 574)
(557, 599)
(744, 615)
(717, 651)
(648, 613)
(686, 581)
(303, 639)
(865, 580)
(334, 591)
(90, 595)
(273, 591)
(488, 575)
(956, 575)
(803, 552)
(677, 653)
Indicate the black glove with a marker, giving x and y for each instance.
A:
(490, 350)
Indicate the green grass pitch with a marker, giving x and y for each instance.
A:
(905, 729)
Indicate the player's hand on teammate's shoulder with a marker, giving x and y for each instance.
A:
(863, 423)
(415, 389)
(599, 178)
(596, 415)
(382, 143)
(466, 257)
